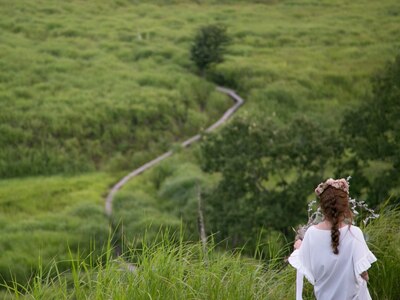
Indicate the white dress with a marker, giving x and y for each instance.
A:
(335, 277)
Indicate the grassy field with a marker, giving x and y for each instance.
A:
(174, 269)
(103, 86)
(89, 86)
(165, 196)
(108, 84)
(43, 218)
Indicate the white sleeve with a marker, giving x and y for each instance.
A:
(362, 256)
(299, 285)
(301, 259)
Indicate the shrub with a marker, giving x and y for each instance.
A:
(209, 46)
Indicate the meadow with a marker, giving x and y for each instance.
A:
(89, 90)
(97, 85)
(174, 269)
(45, 218)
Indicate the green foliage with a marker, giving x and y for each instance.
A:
(164, 270)
(49, 238)
(209, 46)
(267, 175)
(136, 214)
(85, 91)
(383, 236)
(373, 130)
(105, 84)
(164, 197)
(181, 270)
(46, 218)
(181, 193)
(93, 85)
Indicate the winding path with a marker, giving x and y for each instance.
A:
(238, 102)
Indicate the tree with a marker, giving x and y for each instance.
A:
(267, 174)
(373, 131)
(209, 46)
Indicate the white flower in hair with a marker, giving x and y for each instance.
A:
(314, 217)
(340, 184)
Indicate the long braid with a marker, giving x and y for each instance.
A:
(335, 233)
(334, 204)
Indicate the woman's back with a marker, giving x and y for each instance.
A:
(334, 276)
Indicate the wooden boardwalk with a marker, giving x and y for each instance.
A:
(238, 102)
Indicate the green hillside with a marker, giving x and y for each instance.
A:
(181, 270)
(86, 85)
(91, 89)
(43, 218)
(91, 85)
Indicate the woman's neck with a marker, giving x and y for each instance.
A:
(327, 225)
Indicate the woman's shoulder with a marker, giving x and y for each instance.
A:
(356, 232)
(325, 227)
(322, 228)
(355, 229)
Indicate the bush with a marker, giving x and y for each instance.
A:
(209, 46)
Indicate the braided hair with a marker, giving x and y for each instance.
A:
(335, 207)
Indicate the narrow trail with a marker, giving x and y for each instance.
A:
(238, 102)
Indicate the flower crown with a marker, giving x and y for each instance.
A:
(340, 184)
(314, 217)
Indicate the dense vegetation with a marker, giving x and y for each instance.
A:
(209, 46)
(269, 172)
(373, 132)
(87, 89)
(174, 269)
(44, 218)
(104, 86)
(97, 84)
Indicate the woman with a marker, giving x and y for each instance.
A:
(333, 255)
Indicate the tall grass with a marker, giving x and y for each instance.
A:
(91, 86)
(170, 268)
(42, 217)
(163, 196)
(106, 85)
(384, 239)
(163, 270)
(95, 85)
